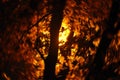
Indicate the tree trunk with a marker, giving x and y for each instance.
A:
(107, 36)
(50, 62)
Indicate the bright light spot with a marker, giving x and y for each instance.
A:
(64, 32)
(96, 42)
(96, 28)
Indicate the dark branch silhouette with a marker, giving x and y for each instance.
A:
(107, 36)
(31, 26)
(55, 24)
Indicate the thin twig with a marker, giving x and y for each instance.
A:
(40, 54)
(25, 32)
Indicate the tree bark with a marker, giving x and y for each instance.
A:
(56, 20)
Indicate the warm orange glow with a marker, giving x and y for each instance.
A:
(64, 32)
(6, 77)
(96, 42)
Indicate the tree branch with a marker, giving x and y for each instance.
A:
(40, 54)
(25, 32)
(97, 66)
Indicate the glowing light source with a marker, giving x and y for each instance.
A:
(64, 32)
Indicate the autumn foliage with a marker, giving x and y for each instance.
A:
(78, 39)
